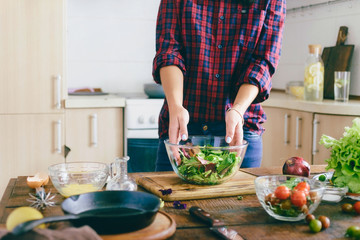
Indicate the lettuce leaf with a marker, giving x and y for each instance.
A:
(345, 157)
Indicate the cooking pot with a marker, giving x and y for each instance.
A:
(107, 212)
(154, 90)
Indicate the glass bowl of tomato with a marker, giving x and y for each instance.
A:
(288, 197)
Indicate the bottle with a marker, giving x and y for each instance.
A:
(314, 75)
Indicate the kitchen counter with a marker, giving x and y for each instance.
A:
(95, 101)
(246, 216)
(276, 99)
(282, 100)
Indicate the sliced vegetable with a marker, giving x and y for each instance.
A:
(206, 165)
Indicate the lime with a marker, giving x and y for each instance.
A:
(23, 214)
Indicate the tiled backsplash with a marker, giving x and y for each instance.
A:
(111, 43)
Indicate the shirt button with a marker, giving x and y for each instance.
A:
(220, 46)
(222, 17)
(205, 127)
(217, 75)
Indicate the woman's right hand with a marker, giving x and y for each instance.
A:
(179, 119)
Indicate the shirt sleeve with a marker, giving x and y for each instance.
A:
(267, 52)
(168, 39)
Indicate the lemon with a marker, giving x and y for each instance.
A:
(23, 214)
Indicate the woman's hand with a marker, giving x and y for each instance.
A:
(179, 119)
(234, 128)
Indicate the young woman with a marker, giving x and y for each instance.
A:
(215, 59)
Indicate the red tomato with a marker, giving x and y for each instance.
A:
(298, 198)
(282, 192)
(302, 186)
(356, 207)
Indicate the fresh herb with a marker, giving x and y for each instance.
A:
(345, 157)
(166, 191)
(240, 197)
(207, 165)
(179, 205)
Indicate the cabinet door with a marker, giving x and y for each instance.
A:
(287, 134)
(31, 56)
(94, 134)
(29, 144)
(331, 125)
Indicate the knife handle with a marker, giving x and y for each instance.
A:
(205, 216)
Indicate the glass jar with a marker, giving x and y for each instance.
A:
(314, 75)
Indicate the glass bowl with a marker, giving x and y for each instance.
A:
(332, 193)
(287, 197)
(74, 178)
(295, 88)
(205, 160)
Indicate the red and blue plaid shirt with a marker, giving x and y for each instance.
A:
(219, 45)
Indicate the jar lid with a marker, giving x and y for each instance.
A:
(314, 48)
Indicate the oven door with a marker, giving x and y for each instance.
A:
(141, 146)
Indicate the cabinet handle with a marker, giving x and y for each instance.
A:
(286, 123)
(58, 91)
(94, 130)
(314, 147)
(297, 137)
(58, 137)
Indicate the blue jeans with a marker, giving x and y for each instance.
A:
(253, 153)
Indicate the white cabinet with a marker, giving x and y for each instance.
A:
(32, 56)
(291, 133)
(94, 134)
(287, 134)
(331, 125)
(32, 86)
(29, 143)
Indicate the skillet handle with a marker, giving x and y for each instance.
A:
(29, 225)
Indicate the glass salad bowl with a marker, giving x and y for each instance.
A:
(289, 197)
(205, 160)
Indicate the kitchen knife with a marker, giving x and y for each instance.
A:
(216, 225)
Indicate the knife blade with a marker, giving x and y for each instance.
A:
(216, 225)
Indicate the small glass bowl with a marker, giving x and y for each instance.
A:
(332, 193)
(288, 208)
(75, 178)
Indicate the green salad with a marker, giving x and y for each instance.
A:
(207, 166)
(345, 157)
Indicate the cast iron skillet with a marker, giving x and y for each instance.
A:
(107, 212)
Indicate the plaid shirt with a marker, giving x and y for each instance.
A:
(219, 45)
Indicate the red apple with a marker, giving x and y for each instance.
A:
(296, 166)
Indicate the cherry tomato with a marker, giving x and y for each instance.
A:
(353, 231)
(298, 198)
(315, 225)
(357, 207)
(325, 222)
(309, 217)
(302, 186)
(282, 192)
(347, 207)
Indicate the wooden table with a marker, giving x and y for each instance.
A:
(246, 216)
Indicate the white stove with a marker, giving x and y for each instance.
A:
(141, 132)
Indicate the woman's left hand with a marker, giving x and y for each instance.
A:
(234, 128)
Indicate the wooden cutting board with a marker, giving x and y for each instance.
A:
(336, 58)
(242, 183)
(163, 227)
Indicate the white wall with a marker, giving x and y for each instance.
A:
(111, 43)
(313, 26)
